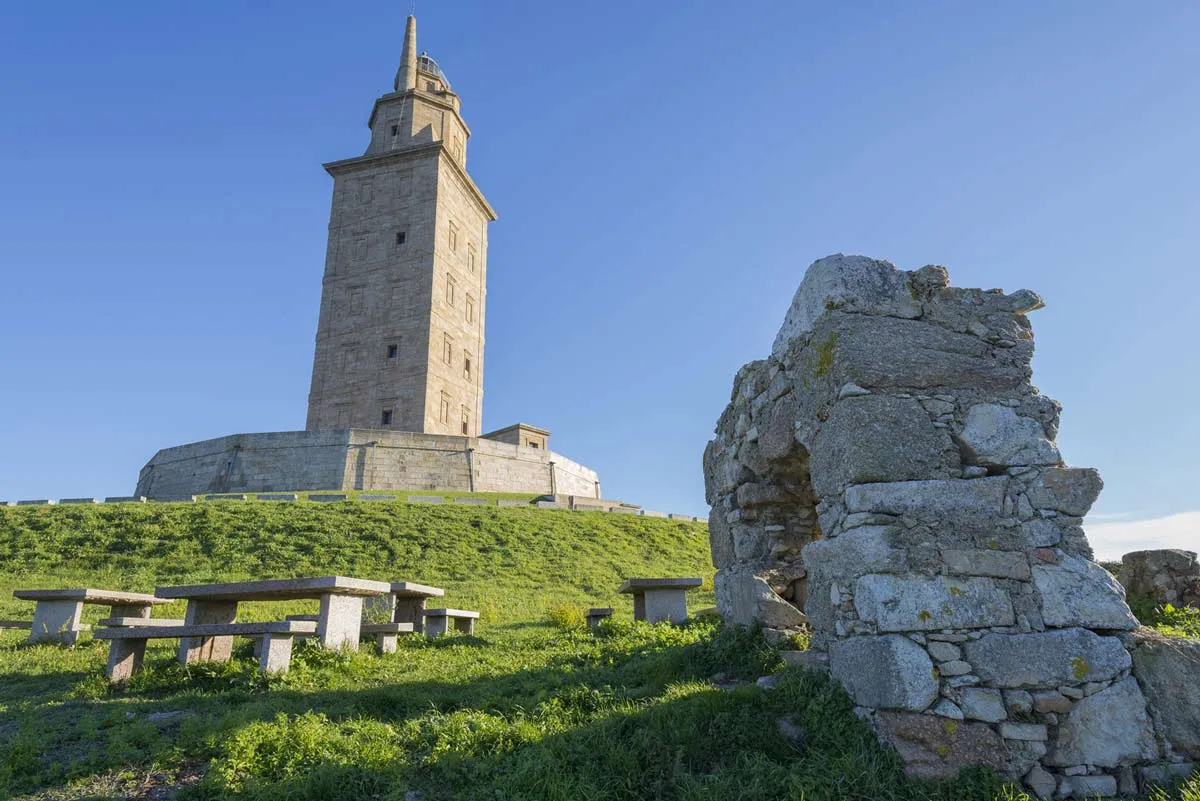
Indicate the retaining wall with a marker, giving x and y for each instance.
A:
(358, 459)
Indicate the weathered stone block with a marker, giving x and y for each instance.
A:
(895, 603)
(744, 598)
(1097, 786)
(1070, 490)
(876, 438)
(1032, 732)
(931, 500)
(1167, 669)
(720, 539)
(888, 353)
(866, 549)
(937, 748)
(1107, 729)
(996, 436)
(850, 283)
(1077, 592)
(980, 562)
(887, 672)
(1046, 659)
(983, 703)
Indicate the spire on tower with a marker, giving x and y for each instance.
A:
(406, 76)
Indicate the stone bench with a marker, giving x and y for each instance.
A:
(659, 599)
(438, 621)
(129, 622)
(597, 615)
(127, 646)
(385, 634)
(56, 616)
(23, 625)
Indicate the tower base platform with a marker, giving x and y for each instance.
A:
(359, 459)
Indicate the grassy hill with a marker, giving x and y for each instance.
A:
(507, 562)
(531, 707)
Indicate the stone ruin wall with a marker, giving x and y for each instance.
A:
(888, 480)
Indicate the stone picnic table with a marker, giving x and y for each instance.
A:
(338, 625)
(659, 599)
(56, 616)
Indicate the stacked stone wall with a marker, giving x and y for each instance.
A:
(888, 479)
(358, 459)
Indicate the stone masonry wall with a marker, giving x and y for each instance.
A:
(358, 459)
(888, 478)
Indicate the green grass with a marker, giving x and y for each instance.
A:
(509, 563)
(531, 707)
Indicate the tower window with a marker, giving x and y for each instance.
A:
(444, 409)
(356, 301)
(470, 309)
(453, 236)
(466, 422)
(395, 130)
(471, 257)
(365, 192)
(466, 365)
(386, 417)
(401, 238)
(392, 351)
(450, 282)
(447, 349)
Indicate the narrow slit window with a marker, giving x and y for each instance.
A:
(386, 417)
(466, 365)
(401, 238)
(393, 350)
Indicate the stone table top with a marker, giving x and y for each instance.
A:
(636, 585)
(278, 589)
(409, 589)
(91, 596)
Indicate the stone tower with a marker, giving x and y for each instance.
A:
(400, 335)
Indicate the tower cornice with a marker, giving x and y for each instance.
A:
(358, 163)
(423, 96)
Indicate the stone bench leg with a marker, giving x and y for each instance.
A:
(56, 621)
(465, 625)
(669, 605)
(435, 626)
(275, 653)
(207, 649)
(340, 621)
(385, 642)
(639, 606)
(410, 610)
(126, 610)
(124, 659)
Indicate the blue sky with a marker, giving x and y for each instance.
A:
(663, 174)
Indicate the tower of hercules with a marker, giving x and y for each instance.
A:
(396, 400)
(400, 333)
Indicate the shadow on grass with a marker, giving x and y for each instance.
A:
(116, 729)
